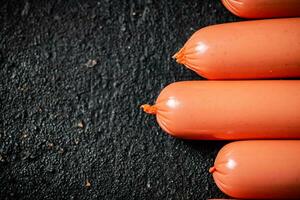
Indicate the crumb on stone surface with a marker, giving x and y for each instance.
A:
(76, 141)
(61, 150)
(87, 183)
(1, 158)
(50, 145)
(91, 63)
(80, 124)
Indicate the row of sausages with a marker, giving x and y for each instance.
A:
(229, 107)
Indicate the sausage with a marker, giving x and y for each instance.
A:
(265, 169)
(260, 49)
(263, 8)
(229, 110)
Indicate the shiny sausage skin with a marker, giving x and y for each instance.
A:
(265, 169)
(263, 8)
(229, 110)
(260, 49)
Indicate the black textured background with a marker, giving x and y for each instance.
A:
(73, 75)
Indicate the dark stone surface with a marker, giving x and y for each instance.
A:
(73, 74)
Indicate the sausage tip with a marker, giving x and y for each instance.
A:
(179, 56)
(212, 169)
(149, 109)
(175, 55)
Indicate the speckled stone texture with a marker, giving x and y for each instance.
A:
(73, 74)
